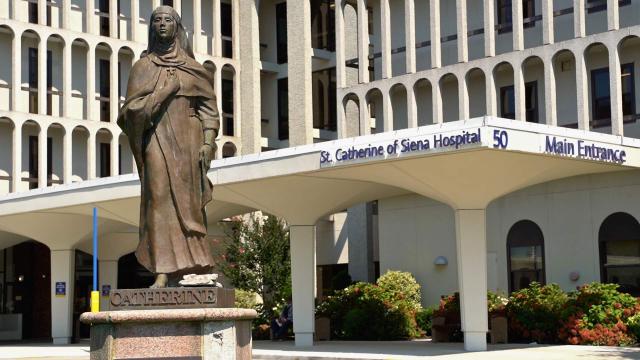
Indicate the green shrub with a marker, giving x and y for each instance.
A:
(423, 319)
(496, 303)
(245, 299)
(401, 286)
(535, 313)
(363, 311)
(633, 324)
(598, 314)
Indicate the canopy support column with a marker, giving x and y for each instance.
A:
(303, 279)
(471, 246)
(62, 277)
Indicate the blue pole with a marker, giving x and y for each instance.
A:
(95, 249)
(95, 295)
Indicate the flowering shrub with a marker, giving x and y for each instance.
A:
(401, 287)
(598, 314)
(497, 303)
(366, 311)
(535, 313)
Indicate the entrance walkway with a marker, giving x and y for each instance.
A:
(420, 349)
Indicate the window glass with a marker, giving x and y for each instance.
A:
(601, 96)
(281, 32)
(619, 239)
(525, 255)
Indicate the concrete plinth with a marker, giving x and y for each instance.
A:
(207, 334)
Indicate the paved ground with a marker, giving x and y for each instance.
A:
(268, 350)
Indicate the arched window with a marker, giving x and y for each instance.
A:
(525, 255)
(619, 239)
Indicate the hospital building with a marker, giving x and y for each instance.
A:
(478, 144)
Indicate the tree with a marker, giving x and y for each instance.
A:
(256, 258)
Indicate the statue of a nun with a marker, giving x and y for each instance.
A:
(171, 119)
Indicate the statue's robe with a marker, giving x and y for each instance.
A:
(166, 146)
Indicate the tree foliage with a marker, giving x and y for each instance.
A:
(256, 258)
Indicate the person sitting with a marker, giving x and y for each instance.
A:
(280, 326)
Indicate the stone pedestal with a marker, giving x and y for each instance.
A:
(186, 334)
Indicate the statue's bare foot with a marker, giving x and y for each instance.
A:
(161, 281)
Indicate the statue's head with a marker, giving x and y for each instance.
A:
(165, 29)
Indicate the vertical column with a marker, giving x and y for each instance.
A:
(303, 266)
(66, 13)
(217, 88)
(197, 25)
(91, 77)
(42, 77)
(613, 15)
(360, 238)
(249, 77)
(114, 154)
(471, 248)
(550, 93)
(155, 4)
(434, 28)
(177, 5)
(114, 19)
(518, 28)
(579, 27)
(582, 90)
(114, 99)
(385, 39)
(89, 16)
(491, 96)
(387, 111)
(299, 50)
(489, 29)
(217, 32)
(108, 275)
(62, 271)
(67, 156)
(363, 41)
(66, 79)
(135, 19)
(365, 117)
(341, 72)
(16, 157)
(91, 156)
(342, 130)
(410, 35)
(547, 22)
(436, 102)
(235, 28)
(16, 70)
(42, 157)
(412, 108)
(461, 19)
(42, 12)
(463, 98)
(617, 127)
(519, 92)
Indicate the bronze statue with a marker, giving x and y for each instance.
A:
(171, 119)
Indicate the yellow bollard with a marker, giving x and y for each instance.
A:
(95, 301)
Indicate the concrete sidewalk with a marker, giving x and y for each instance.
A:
(419, 349)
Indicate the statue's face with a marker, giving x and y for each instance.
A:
(165, 27)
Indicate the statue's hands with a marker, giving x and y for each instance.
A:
(206, 153)
(171, 82)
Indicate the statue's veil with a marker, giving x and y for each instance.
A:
(180, 35)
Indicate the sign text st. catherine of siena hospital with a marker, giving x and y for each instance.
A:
(501, 138)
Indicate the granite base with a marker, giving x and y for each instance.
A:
(184, 334)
